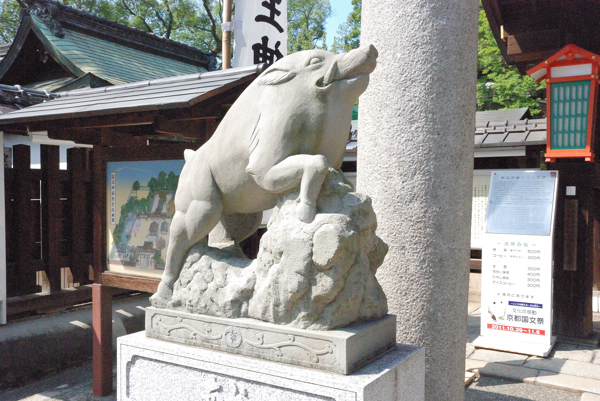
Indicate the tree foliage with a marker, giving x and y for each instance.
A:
(348, 34)
(306, 24)
(9, 20)
(500, 86)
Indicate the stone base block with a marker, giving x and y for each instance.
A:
(150, 369)
(341, 351)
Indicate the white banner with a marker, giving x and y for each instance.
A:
(516, 273)
(262, 37)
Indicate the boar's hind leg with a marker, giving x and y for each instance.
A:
(235, 227)
(307, 170)
(187, 228)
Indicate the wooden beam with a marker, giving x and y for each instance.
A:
(61, 299)
(130, 282)
(192, 128)
(111, 120)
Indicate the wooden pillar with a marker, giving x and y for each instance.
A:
(79, 221)
(51, 214)
(102, 347)
(99, 212)
(101, 295)
(27, 219)
(574, 250)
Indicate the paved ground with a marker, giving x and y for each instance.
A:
(570, 367)
(571, 373)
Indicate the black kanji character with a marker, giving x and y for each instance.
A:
(264, 54)
(273, 11)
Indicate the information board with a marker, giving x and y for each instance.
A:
(516, 277)
(521, 202)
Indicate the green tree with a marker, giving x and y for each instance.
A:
(348, 34)
(9, 20)
(306, 24)
(500, 86)
(172, 181)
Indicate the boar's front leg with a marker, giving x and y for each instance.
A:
(307, 170)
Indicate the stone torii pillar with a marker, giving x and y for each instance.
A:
(415, 160)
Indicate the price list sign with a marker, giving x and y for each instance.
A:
(516, 293)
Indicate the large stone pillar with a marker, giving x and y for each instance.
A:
(415, 160)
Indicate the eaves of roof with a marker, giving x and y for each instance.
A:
(19, 96)
(158, 94)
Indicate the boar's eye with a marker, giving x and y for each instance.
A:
(315, 60)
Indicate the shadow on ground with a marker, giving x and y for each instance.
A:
(491, 389)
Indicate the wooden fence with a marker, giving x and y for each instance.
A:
(49, 226)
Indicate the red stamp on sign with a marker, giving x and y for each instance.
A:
(515, 329)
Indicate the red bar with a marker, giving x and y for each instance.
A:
(515, 329)
(102, 323)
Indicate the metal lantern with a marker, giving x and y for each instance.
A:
(571, 77)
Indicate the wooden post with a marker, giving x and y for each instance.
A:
(226, 43)
(51, 214)
(102, 347)
(574, 251)
(79, 222)
(101, 295)
(99, 212)
(27, 220)
(2, 243)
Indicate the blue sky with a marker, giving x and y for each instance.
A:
(339, 13)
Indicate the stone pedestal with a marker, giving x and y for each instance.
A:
(150, 369)
(342, 350)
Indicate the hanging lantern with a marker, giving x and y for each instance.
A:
(571, 77)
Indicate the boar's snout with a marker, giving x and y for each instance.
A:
(356, 62)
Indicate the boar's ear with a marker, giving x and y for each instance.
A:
(275, 76)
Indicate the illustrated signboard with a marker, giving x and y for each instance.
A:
(140, 207)
(516, 277)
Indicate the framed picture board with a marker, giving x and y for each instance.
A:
(137, 206)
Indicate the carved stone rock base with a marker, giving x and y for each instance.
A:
(149, 369)
(341, 351)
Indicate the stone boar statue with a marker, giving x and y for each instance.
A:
(285, 130)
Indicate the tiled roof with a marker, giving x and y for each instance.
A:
(112, 61)
(511, 133)
(159, 94)
(482, 117)
(15, 97)
(107, 52)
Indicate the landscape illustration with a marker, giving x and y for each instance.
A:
(140, 206)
